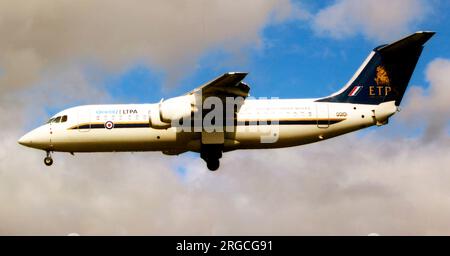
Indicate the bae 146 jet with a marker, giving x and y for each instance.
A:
(220, 117)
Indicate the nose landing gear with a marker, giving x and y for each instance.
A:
(48, 160)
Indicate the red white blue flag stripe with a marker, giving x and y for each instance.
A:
(355, 91)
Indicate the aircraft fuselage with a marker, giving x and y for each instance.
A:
(114, 128)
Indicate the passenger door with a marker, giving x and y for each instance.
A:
(84, 120)
(323, 115)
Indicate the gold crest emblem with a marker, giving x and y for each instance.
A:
(382, 78)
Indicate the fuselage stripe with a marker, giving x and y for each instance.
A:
(238, 123)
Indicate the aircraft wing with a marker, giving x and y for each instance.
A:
(228, 85)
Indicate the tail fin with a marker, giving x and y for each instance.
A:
(385, 74)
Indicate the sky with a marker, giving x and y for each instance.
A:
(390, 180)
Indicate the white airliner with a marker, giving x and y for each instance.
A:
(220, 116)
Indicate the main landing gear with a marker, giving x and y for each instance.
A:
(211, 154)
(48, 160)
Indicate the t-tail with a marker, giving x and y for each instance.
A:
(385, 74)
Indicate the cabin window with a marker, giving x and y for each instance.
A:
(57, 120)
(64, 119)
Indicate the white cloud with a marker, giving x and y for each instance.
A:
(168, 35)
(431, 106)
(379, 20)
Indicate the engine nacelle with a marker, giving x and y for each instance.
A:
(155, 120)
(176, 108)
(170, 110)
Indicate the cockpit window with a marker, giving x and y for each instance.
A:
(58, 119)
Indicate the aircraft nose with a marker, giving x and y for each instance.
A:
(37, 138)
(25, 140)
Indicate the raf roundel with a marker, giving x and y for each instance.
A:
(109, 125)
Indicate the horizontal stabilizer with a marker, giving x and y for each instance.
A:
(415, 40)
